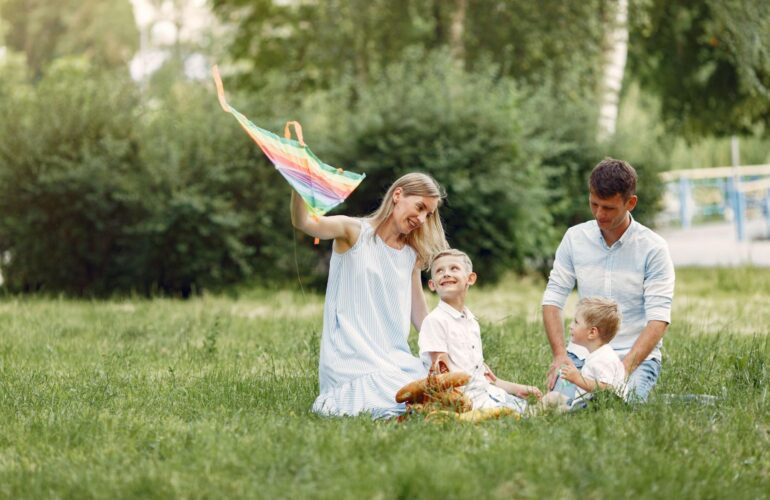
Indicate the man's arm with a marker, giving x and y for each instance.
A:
(658, 292)
(561, 281)
(644, 345)
(554, 330)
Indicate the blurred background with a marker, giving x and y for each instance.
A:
(119, 173)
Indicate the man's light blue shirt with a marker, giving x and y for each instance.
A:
(636, 271)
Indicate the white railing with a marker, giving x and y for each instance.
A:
(735, 191)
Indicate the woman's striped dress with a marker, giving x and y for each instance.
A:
(365, 357)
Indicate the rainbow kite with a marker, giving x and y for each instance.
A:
(321, 186)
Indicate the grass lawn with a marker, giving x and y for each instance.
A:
(209, 398)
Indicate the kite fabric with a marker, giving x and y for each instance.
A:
(321, 186)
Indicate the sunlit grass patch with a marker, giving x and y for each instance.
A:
(199, 398)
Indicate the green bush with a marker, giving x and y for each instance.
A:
(561, 132)
(426, 114)
(105, 190)
(643, 141)
(67, 152)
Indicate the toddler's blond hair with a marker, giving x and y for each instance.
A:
(602, 313)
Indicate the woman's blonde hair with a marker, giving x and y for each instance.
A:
(428, 239)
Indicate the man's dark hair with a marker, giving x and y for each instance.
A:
(611, 177)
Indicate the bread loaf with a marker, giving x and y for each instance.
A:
(416, 391)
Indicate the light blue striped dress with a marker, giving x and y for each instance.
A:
(365, 358)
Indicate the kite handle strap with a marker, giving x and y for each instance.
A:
(297, 132)
(316, 241)
(220, 88)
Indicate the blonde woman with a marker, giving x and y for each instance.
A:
(374, 290)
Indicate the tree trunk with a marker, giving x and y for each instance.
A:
(457, 31)
(615, 53)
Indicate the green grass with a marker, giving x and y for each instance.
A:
(209, 398)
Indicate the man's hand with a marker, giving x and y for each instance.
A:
(553, 371)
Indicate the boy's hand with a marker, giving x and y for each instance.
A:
(489, 374)
(525, 391)
(569, 372)
(438, 368)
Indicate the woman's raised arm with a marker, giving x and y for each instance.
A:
(341, 228)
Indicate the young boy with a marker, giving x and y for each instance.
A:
(596, 322)
(450, 335)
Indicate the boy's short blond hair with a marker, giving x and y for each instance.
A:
(452, 252)
(602, 313)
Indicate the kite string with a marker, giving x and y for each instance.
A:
(296, 263)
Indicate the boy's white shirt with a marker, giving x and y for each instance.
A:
(603, 365)
(458, 334)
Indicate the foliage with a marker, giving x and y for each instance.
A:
(210, 397)
(716, 152)
(708, 60)
(317, 42)
(101, 193)
(66, 148)
(425, 114)
(109, 187)
(101, 31)
(642, 140)
(539, 44)
(560, 132)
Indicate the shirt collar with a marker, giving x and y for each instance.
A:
(600, 350)
(454, 312)
(623, 239)
(629, 230)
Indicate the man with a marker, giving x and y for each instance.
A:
(614, 256)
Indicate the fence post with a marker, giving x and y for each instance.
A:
(739, 208)
(739, 204)
(767, 212)
(685, 214)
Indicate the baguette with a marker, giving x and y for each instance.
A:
(453, 399)
(416, 391)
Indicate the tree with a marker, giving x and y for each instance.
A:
(103, 31)
(615, 54)
(709, 60)
(318, 43)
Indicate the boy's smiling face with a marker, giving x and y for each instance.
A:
(450, 277)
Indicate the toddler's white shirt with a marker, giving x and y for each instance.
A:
(603, 365)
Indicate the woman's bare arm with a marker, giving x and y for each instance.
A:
(341, 228)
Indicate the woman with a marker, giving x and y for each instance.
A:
(374, 289)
